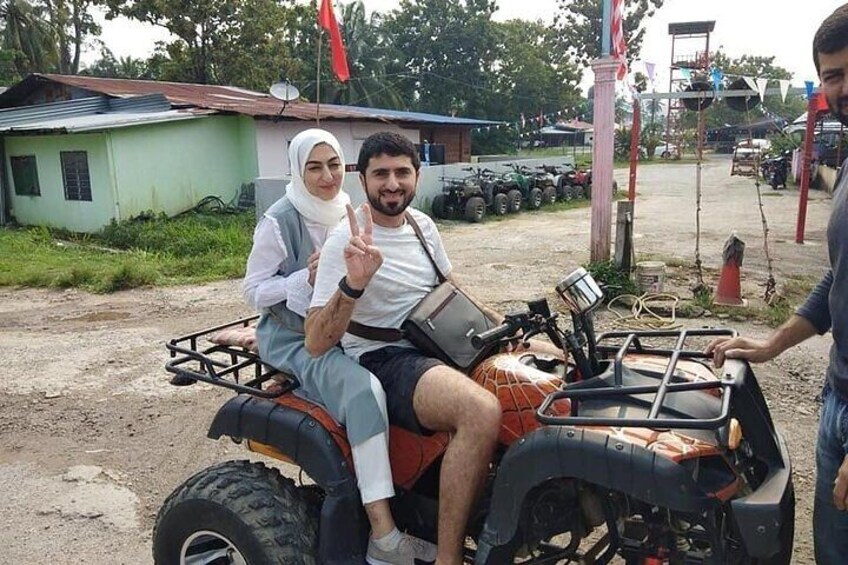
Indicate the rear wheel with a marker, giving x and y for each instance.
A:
(500, 204)
(549, 195)
(236, 512)
(440, 207)
(475, 209)
(579, 192)
(534, 199)
(514, 200)
(567, 193)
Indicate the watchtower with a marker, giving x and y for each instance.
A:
(690, 57)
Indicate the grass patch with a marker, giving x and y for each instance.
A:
(192, 248)
(791, 292)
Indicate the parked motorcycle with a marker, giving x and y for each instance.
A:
(638, 447)
(775, 170)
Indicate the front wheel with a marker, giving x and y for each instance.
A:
(236, 512)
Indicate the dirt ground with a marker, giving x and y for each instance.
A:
(92, 437)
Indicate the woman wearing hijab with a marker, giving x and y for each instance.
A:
(280, 273)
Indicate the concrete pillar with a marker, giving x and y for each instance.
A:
(602, 157)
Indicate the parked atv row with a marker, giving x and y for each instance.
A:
(485, 191)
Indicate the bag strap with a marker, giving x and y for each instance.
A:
(394, 334)
(417, 229)
(375, 333)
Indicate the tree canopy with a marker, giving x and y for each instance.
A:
(579, 24)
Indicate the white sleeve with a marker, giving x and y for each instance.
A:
(263, 286)
(331, 267)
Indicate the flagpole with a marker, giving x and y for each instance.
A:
(318, 82)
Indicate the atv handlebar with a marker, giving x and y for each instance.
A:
(493, 335)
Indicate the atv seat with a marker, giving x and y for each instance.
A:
(410, 454)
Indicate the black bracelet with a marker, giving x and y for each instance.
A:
(347, 291)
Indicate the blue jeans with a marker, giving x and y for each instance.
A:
(830, 525)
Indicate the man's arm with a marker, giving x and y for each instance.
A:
(327, 321)
(812, 318)
(325, 326)
(790, 334)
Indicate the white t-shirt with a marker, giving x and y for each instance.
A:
(405, 277)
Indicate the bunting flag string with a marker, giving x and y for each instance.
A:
(536, 123)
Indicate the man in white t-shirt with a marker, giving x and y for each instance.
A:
(375, 275)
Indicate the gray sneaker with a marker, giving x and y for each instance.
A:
(409, 551)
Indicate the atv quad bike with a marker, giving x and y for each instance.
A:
(460, 196)
(494, 190)
(521, 180)
(636, 448)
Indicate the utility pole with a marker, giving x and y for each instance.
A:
(605, 70)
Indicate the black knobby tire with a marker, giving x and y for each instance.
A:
(549, 195)
(440, 207)
(534, 199)
(500, 204)
(241, 506)
(567, 192)
(579, 192)
(514, 200)
(475, 209)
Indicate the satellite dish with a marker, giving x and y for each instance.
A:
(285, 91)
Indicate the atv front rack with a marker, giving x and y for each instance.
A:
(619, 392)
(225, 365)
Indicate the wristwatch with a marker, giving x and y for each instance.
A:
(347, 291)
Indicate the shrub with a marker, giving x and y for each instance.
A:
(613, 280)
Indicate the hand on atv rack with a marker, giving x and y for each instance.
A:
(223, 365)
(613, 390)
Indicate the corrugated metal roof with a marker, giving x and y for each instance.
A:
(82, 107)
(231, 99)
(98, 122)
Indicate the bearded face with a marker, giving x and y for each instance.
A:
(390, 184)
(833, 72)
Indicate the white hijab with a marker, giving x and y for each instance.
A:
(325, 212)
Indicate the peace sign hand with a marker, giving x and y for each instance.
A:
(362, 259)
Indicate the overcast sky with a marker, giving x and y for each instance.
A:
(757, 27)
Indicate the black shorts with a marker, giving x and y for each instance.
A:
(399, 369)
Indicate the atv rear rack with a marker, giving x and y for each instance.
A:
(732, 377)
(224, 365)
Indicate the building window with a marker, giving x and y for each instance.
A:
(75, 175)
(25, 175)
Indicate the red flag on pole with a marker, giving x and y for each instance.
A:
(327, 20)
(619, 47)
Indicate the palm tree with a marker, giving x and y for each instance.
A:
(28, 34)
(369, 85)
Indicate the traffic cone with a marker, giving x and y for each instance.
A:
(729, 291)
